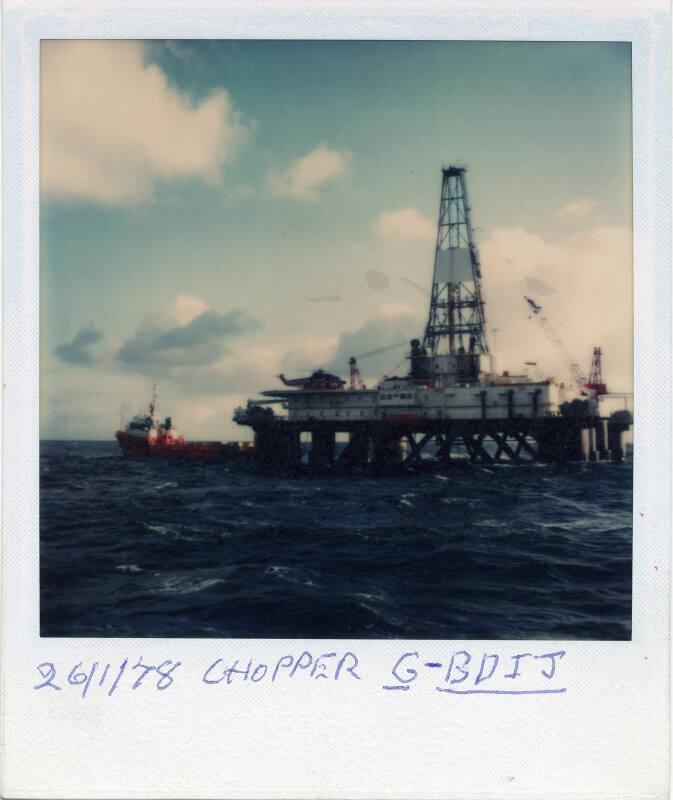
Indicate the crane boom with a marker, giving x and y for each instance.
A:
(575, 370)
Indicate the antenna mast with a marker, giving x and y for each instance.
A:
(456, 322)
(595, 381)
(596, 374)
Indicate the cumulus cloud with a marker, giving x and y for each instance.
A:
(247, 370)
(306, 175)
(78, 350)
(405, 225)
(381, 343)
(591, 273)
(112, 126)
(202, 341)
(186, 308)
(310, 353)
(578, 209)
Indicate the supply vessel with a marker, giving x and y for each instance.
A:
(147, 435)
(452, 405)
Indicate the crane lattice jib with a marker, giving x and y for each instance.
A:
(556, 340)
(456, 320)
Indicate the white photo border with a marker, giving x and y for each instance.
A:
(606, 736)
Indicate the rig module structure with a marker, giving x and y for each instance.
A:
(451, 406)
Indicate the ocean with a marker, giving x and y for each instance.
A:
(153, 548)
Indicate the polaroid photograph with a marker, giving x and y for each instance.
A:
(336, 438)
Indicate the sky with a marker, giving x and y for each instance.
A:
(214, 213)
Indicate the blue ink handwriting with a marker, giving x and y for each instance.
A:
(312, 666)
(84, 676)
(463, 675)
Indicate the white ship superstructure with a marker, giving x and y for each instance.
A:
(147, 426)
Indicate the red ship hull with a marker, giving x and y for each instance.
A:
(140, 447)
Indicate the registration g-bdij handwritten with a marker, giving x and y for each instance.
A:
(457, 672)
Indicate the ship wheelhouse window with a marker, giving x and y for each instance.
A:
(139, 426)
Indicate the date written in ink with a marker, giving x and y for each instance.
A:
(107, 678)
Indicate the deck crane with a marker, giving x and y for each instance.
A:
(356, 381)
(575, 369)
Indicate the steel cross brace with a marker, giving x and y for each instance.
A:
(523, 445)
(501, 441)
(474, 446)
(416, 447)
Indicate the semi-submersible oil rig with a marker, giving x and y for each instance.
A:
(451, 407)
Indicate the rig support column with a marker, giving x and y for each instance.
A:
(600, 440)
(560, 441)
(618, 423)
(277, 447)
(322, 448)
(356, 452)
(288, 453)
(387, 450)
(615, 431)
(589, 443)
(263, 445)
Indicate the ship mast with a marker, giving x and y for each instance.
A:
(456, 321)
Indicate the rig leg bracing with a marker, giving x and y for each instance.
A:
(432, 445)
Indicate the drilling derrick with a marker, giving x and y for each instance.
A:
(456, 322)
(595, 381)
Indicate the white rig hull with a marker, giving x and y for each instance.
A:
(397, 400)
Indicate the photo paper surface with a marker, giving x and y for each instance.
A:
(335, 460)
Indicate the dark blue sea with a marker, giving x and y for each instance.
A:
(158, 548)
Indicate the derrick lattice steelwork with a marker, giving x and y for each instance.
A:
(456, 320)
